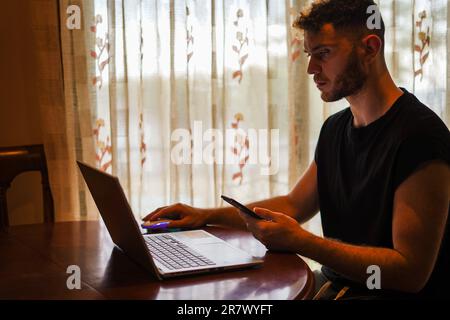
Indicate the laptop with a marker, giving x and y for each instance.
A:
(167, 254)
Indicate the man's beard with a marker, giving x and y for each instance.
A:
(349, 82)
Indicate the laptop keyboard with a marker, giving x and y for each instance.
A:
(174, 254)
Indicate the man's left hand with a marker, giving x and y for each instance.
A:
(277, 231)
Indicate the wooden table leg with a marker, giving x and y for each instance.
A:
(4, 220)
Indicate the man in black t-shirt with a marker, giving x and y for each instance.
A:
(380, 176)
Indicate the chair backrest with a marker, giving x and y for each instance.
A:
(14, 161)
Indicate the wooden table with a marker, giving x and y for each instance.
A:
(34, 260)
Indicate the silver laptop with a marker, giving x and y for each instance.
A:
(167, 254)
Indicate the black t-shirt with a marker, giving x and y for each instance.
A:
(359, 170)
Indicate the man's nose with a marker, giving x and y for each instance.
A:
(313, 66)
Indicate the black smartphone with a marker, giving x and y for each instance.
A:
(241, 207)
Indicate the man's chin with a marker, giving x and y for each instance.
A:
(329, 96)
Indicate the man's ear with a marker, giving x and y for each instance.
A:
(372, 46)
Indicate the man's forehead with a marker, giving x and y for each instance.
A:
(326, 36)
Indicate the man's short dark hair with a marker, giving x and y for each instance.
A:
(345, 15)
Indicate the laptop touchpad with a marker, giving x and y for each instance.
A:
(197, 237)
(221, 252)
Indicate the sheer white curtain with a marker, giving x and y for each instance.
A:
(142, 77)
(416, 49)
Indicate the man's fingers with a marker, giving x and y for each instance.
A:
(177, 224)
(266, 213)
(166, 213)
(150, 215)
(248, 219)
(169, 212)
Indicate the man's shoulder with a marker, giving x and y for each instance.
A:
(417, 119)
(420, 136)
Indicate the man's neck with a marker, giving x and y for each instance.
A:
(373, 100)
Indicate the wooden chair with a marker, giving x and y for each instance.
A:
(15, 160)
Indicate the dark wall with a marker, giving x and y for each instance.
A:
(20, 122)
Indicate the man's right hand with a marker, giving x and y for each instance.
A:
(180, 216)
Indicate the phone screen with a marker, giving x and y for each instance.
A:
(241, 207)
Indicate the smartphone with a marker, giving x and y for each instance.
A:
(241, 207)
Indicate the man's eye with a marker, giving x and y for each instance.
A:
(324, 53)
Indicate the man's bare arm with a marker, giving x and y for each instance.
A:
(301, 203)
(420, 212)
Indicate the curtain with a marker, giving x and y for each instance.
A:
(187, 100)
(416, 49)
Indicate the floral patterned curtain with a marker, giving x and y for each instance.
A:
(138, 71)
(416, 49)
(140, 75)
